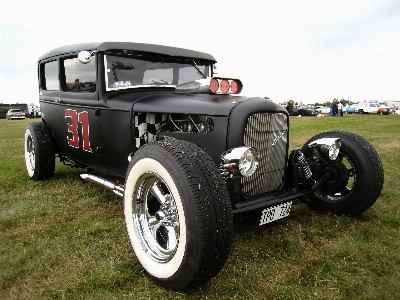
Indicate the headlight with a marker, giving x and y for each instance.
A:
(330, 146)
(243, 160)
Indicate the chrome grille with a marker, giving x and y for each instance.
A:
(268, 132)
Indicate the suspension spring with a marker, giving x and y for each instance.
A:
(303, 168)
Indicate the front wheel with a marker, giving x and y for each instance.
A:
(357, 178)
(177, 213)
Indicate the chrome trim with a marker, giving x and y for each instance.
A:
(233, 159)
(113, 186)
(156, 218)
(84, 56)
(268, 133)
(329, 146)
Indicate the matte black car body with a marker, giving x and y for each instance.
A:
(112, 113)
(191, 152)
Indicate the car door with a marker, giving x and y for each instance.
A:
(373, 108)
(78, 122)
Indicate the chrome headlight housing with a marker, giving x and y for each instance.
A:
(242, 160)
(329, 146)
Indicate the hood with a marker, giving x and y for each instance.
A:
(164, 101)
(203, 104)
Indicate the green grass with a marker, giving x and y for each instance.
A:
(63, 239)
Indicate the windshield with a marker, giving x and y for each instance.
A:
(133, 71)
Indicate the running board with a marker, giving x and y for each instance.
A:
(116, 188)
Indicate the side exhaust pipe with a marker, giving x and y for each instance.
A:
(110, 185)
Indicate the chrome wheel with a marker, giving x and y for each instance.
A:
(30, 153)
(155, 216)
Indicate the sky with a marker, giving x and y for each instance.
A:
(306, 51)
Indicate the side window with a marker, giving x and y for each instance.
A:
(79, 77)
(50, 76)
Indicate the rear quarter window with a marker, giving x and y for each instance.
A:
(50, 76)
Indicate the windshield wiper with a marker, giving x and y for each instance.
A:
(197, 68)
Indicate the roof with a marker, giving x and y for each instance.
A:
(165, 50)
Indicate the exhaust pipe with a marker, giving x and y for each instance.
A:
(110, 185)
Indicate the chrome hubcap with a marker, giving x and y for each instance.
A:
(30, 153)
(155, 217)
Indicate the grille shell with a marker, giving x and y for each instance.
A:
(268, 132)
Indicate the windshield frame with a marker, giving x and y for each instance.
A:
(193, 62)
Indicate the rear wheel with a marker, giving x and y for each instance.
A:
(357, 178)
(178, 214)
(39, 151)
(360, 111)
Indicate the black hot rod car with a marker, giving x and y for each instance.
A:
(190, 151)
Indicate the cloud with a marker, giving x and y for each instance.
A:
(354, 24)
(302, 50)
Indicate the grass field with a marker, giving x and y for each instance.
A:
(62, 239)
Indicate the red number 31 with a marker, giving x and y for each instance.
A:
(83, 118)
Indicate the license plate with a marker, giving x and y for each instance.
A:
(274, 213)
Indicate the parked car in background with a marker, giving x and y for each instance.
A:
(304, 110)
(366, 108)
(383, 110)
(322, 109)
(350, 110)
(15, 114)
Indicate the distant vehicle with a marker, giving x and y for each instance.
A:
(366, 108)
(304, 110)
(15, 114)
(383, 110)
(350, 110)
(323, 110)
